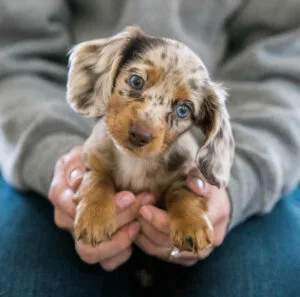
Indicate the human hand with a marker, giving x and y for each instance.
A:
(68, 174)
(154, 238)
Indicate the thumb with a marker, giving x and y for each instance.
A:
(75, 175)
(196, 183)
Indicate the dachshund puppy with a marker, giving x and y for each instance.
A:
(148, 93)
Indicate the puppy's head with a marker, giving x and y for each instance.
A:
(151, 90)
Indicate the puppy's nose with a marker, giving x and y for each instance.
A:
(139, 136)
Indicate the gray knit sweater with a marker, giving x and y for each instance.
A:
(253, 46)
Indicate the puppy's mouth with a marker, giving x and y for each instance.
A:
(145, 151)
(141, 152)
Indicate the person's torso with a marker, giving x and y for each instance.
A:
(198, 24)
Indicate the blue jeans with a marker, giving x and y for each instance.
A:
(259, 258)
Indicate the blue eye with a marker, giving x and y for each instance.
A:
(183, 110)
(136, 82)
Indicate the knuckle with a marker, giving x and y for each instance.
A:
(122, 244)
(150, 250)
(159, 239)
(132, 212)
(58, 220)
(156, 239)
(204, 254)
(219, 236)
(52, 193)
(54, 196)
(108, 266)
(218, 241)
(127, 254)
(59, 164)
(67, 158)
(88, 259)
(190, 263)
(86, 254)
(77, 149)
(72, 154)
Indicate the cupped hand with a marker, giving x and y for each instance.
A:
(154, 237)
(68, 174)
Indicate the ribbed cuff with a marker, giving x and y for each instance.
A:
(244, 192)
(39, 165)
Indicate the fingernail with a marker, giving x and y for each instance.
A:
(125, 201)
(74, 176)
(133, 230)
(197, 182)
(146, 213)
(67, 194)
(146, 198)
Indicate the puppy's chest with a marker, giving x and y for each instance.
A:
(138, 175)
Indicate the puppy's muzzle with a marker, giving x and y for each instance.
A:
(139, 136)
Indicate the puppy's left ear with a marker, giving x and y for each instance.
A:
(92, 67)
(215, 156)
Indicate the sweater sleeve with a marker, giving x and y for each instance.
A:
(36, 124)
(262, 74)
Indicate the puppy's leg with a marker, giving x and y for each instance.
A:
(190, 227)
(95, 215)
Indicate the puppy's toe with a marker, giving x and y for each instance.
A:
(191, 236)
(93, 225)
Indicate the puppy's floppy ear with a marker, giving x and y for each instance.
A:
(92, 67)
(216, 154)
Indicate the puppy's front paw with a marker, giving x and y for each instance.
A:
(191, 234)
(94, 222)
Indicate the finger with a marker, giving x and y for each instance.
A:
(184, 262)
(124, 200)
(116, 261)
(145, 198)
(153, 235)
(162, 252)
(120, 241)
(215, 207)
(65, 202)
(128, 206)
(75, 152)
(157, 217)
(58, 182)
(74, 172)
(75, 176)
(219, 234)
(60, 193)
(150, 248)
(73, 167)
(196, 182)
(62, 220)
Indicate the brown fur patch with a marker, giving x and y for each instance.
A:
(154, 74)
(181, 93)
(95, 214)
(188, 227)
